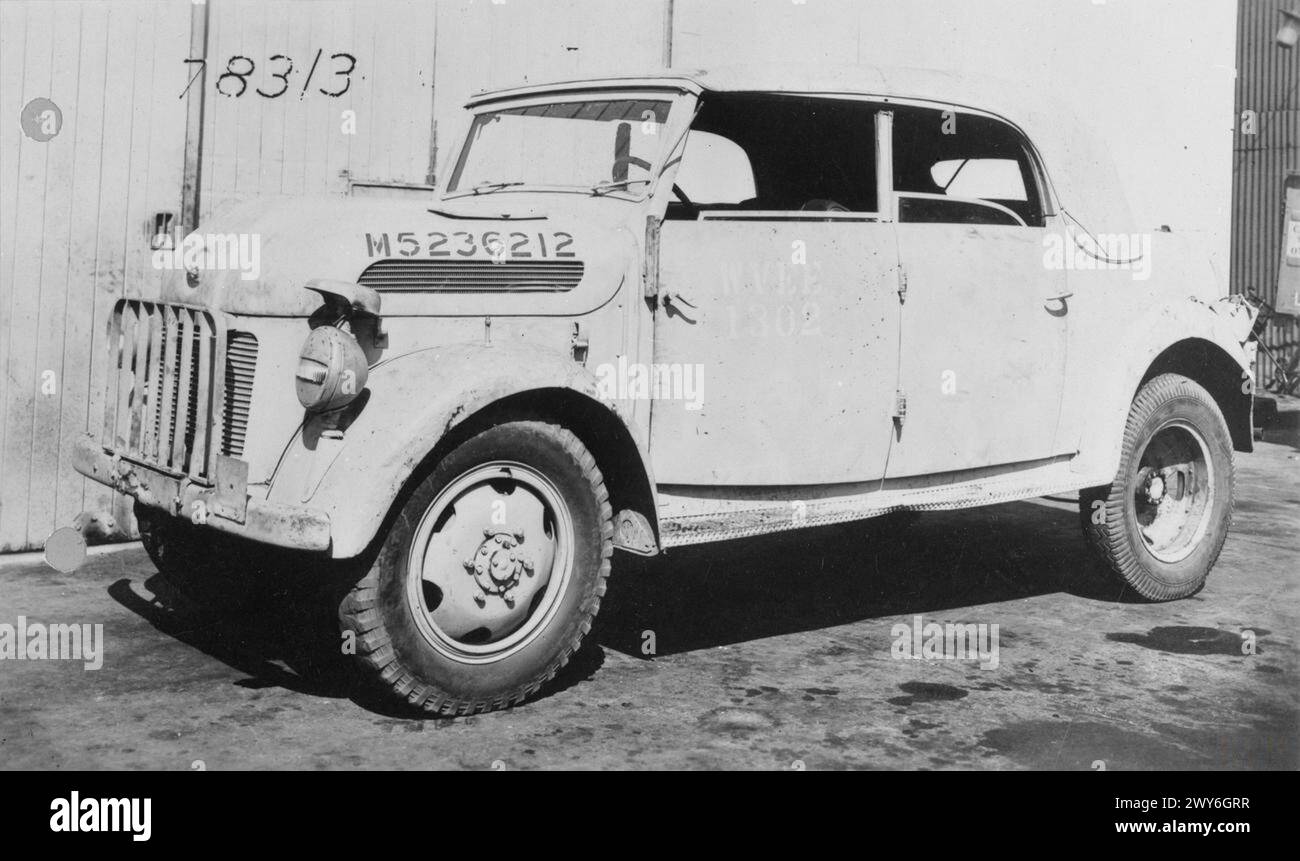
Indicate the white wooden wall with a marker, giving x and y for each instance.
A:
(296, 143)
(72, 228)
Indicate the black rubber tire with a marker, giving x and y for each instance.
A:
(390, 649)
(208, 568)
(1111, 526)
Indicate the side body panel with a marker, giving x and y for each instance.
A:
(1119, 326)
(794, 328)
(984, 349)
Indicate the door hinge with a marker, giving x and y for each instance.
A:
(900, 406)
(902, 284)
(650, 263)
(579, 344)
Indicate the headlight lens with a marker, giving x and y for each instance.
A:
(331, 370)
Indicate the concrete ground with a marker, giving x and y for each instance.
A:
(771, 653)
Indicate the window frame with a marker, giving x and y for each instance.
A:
(1041, 183)
(883, 170)
(670, 128)
(887, 203)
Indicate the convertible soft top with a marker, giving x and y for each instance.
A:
(1078, 164)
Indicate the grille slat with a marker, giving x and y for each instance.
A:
(241, 362)
(170, 400)
(184, 402)
(473, 276)
(164, 418)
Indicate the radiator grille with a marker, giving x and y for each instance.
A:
(170, 403)
(473, 276)
(241, 364)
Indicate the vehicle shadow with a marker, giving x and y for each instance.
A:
(278, 638)
(731, 592)
(280, 629)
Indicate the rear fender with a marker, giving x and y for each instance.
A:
(1217, 333)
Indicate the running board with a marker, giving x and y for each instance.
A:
(695, 516)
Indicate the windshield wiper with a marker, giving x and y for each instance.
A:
(607, 187)
(489, 187)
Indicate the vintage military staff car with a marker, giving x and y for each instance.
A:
(647, 312)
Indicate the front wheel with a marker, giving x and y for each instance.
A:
(1161, 523)
(490, 574)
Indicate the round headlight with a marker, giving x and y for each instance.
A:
(331, 370)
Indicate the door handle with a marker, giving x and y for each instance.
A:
(1057, 311)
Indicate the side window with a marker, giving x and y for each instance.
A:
(778, 157)
(715, 171)
(956, 168)
(985, 178)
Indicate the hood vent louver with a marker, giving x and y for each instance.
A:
(472, 276)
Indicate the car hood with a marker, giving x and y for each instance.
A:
(255, 258)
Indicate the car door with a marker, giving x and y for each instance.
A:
(780, 292)
(985, 317)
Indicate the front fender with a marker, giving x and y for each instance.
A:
(412, 402)
(1108, 378)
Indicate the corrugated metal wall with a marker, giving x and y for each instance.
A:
(73, 211)
(1268, 84)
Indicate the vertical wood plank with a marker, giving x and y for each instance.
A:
(83, 366)
(55, 227)
(110, 225)
(24, 306)
(13, 50)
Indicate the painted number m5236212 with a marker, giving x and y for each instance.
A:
(463, 243)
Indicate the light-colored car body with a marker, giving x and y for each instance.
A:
(850, 363)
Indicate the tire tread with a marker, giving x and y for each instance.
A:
(360, 613)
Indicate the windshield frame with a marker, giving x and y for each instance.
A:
(680, 113)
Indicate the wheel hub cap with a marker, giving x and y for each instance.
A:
(498, 566)
(489, 561)
(1174, 492)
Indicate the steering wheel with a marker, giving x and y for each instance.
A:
(818, 204)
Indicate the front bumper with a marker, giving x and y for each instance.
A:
(254, 519)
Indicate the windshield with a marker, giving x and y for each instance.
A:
(595, 146)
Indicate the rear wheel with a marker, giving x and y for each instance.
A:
(1162, 522)
(489, 576)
